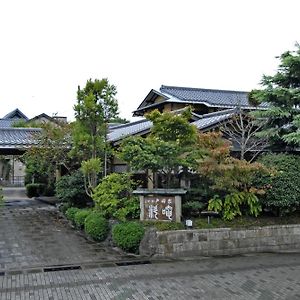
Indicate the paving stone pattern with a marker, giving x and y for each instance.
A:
(256, 277)
(33, 234)
(34, 239)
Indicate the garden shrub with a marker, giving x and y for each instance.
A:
(282, 186)
(80, 217)
(192, 208)
(63, 207)
(70, 213)
(35, 189)
(70, 189)
(96, 226)
(128, 235)
(113, 197)
(163, 225)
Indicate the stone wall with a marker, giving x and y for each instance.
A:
(221, 241)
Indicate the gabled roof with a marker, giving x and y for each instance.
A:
(209, 97)
(203, 122)
(120, 132)
(15, 114)
(211, 120)
(11, 138)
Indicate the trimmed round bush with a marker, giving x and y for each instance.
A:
(35, 189)
(80, 217)
(70, 213)
(96, 226)
(128, 235)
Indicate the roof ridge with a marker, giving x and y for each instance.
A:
(198, 89)
(218, 113)
(129, 124)
(21, 129)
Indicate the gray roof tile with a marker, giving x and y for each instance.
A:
(6, 123)
(143, 126)
(18, 137)
(119, 132)
(209, 120)
(209, 97)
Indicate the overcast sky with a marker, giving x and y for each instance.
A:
(49, 47)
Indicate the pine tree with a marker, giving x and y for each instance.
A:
(282, 93)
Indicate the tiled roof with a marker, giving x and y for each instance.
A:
(18, 137)
(209, 97)
(209, 120)
(15, 114)
(119, 132)
(205, 122)
(6, 123)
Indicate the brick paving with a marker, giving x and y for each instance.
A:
(34, 239)
(34, 235)
(267, 276)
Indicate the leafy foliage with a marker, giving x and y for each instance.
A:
(231, 205)
(128, 235)
(232, 179)
(71, 189)
(192, 208)
(96, 105)
(282, 186)
(50, 153)
(167, 149)
(80, 217)
(35, 189)
(90, 169)
(70, 213)
(282, 93)
(113, 197)
(96, 226)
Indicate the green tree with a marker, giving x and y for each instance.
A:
(49, 154)
(96, 106)
(168, 149)
(282, 93)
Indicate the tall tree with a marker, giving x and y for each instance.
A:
(282, 93)
(96, 106)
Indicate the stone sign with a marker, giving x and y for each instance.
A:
(160, 208)
(160, 204)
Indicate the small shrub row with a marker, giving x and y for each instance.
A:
(126, 235)
(35, 189)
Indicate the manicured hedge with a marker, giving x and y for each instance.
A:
(80, 217)
(96, 226)
(128, 235)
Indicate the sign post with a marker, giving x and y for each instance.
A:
(160, 204)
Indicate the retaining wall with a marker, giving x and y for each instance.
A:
(221, 241)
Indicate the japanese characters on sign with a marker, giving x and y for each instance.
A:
(159, 208)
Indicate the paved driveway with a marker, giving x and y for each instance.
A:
(262, 277)
(33, 235)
